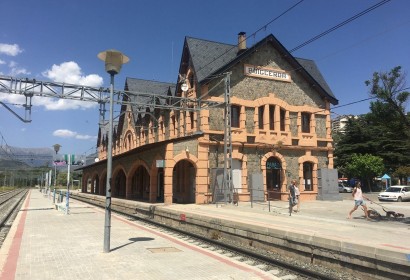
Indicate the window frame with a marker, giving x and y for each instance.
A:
(235, 116)
(306, 119)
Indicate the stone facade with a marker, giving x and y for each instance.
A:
(280, 129)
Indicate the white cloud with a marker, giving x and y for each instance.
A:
(65, 133)
(66, 72)
(2, 62)
(11, 50)
(58, 104)
(15, 70)
(70, 72)
(19, 71)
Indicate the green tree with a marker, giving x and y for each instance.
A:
(390, 90)
(365, 167)
(384, 131)
(403, 172)
(388, 115)
(357, 138)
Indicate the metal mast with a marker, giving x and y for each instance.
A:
(227, 179)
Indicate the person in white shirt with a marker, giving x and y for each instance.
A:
(358, 200)
(297, 193)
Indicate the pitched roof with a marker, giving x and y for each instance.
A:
(211, 58)
(208, 56)
(147, 86)
(311, 67)
(145, 91)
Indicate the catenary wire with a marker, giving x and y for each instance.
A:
(362, 13)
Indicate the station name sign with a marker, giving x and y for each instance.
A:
(266, 73)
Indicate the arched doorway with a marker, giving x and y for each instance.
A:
(118, 188)
(96, 185)
(103, 189)
(183, 182)
(273, 178)
(89, 186)
(140, 184)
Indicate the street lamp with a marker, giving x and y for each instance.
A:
(113, 61)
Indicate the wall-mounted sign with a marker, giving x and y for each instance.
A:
(266, 73)
(160, 163)
(273, 164)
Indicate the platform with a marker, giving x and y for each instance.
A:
(44, 243)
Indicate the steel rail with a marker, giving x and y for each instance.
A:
(11, 209)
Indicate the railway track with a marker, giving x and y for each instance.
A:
(10, 204)
(265, 261)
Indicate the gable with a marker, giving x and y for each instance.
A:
(145, 91)
(210, 58)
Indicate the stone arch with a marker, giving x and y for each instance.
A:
(103, 182)
(85, 178)
(129, 140)
(282, 160)
(95, 184)
(138, 181)
(118, 182)
(184, 171)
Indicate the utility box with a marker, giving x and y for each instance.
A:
(258, 194)
(328, 188)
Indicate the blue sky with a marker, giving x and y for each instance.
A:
(59, 41)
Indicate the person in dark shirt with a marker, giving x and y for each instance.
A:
(292, 196)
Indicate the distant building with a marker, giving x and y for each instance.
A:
(280, 119)
(339, 123)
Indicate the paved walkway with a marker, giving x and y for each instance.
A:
(47, 244)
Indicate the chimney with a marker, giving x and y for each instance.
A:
(241, 42)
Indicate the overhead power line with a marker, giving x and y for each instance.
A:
(253, 34)
(381, 3)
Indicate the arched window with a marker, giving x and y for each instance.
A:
(282, 119)
(273, 179)
(308, 175)
(271, 117)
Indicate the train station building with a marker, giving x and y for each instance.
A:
(279, 121)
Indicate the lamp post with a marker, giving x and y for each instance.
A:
(113, 61)
(56, 149)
